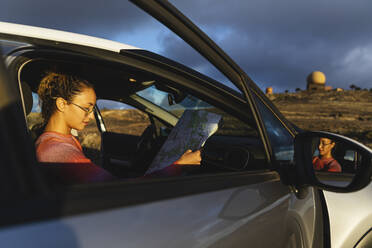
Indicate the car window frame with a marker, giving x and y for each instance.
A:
(279, 117)
(67, 197)
(280, 124)
(227, 104)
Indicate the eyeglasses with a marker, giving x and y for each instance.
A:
(323, 144)
(86, 110)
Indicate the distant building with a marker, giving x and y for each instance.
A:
(316, 81)
(269, 91)
(327, 88)
(339, 89)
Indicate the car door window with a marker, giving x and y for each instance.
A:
(140, 109)
(280, 139)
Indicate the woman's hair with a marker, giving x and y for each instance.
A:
(57, 84)
(333, 150)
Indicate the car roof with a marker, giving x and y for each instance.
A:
(61, 36)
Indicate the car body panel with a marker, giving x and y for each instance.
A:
(61, 36)
(350, 216)
(227, 218)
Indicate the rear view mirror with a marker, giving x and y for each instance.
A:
(332, 162)
(174, 95)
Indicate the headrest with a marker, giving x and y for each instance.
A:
(27, 97)
(338, 151)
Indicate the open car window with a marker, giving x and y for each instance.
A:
(137, 110)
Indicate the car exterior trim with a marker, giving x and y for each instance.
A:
(61, 36)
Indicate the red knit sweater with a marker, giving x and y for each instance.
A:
(326, 164)
(57, 148)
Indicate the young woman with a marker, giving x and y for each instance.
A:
(325, 161)
(67, 102)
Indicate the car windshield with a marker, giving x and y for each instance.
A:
(166, 101)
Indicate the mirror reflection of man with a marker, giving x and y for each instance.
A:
(325, 161)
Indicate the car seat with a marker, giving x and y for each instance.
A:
(27, 103)
(339, 154)
(26, 97)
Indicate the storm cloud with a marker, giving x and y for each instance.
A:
(90, 17)
(278, 43)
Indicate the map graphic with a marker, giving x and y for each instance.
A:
(191, 131)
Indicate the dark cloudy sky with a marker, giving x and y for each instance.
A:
(277, 42)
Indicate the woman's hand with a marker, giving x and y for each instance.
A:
(190, 158)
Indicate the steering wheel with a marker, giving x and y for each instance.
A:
(144, 151)
(146, 139)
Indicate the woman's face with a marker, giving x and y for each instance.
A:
(325, 146)
(79, 112)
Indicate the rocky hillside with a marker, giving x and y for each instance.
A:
(348, 112)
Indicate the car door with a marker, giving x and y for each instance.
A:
(213, 210)
(224, 210)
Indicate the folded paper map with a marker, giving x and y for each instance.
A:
(191, 131)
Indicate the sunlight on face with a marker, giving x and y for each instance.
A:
(325, 147)
(80, 110)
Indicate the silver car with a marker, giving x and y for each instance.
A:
(256, 187)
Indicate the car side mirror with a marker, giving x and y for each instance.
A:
(332, 162)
